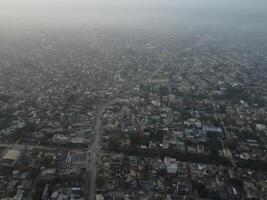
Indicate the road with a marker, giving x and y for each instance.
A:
(94, 152)
(26, 146)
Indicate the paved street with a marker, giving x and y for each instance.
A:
(22, 146)
(94, 153)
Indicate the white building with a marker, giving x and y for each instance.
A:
(171, 165)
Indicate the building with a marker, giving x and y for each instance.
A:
(171, 165)
(10, 157)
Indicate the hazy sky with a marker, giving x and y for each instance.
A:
(131, 13)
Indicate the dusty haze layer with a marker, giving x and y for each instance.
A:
(171, 15)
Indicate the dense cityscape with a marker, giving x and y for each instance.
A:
(149, 118)
(133, 114)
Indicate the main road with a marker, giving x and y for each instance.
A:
(94, 151)
(26, 146)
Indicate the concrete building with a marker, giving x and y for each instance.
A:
(171, 165)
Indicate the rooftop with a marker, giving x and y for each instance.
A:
(11, 155)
